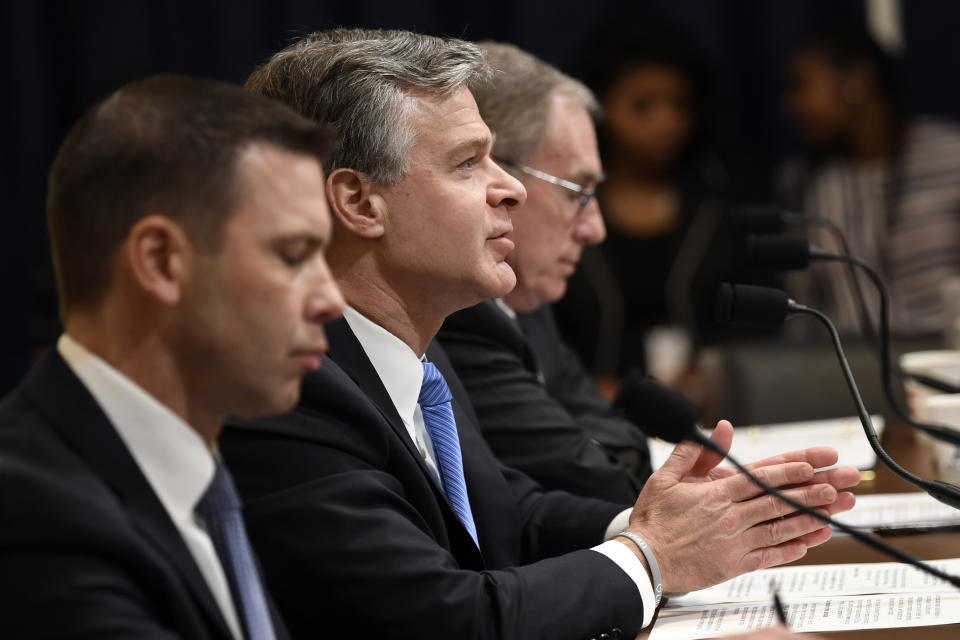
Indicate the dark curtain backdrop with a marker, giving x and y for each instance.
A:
(61, 56)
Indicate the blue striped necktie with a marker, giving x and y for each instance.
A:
(438, 417)
(220, 509)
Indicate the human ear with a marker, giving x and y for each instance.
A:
(355, 204)
(159, 255)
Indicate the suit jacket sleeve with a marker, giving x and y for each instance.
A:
(349, 545)
(556, 430)
(567, 380)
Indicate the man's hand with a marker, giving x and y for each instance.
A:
(707, 524)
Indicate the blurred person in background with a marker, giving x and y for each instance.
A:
(663, 201)
(891, 183)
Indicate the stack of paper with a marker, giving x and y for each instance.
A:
(816, 598)
(751, 444)
(893, 510)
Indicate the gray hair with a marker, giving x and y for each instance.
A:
(359, 81)
(516, 104)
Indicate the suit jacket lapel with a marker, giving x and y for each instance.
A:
(81, 422)
(512, 331)
(348, 353)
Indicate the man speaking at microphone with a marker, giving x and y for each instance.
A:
(376, 507)
(538, 408)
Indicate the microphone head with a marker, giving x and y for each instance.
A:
(758, 218)
(778, 252)
(746, 305)
(658, 410)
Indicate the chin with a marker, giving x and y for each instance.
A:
(505, 281)
(270, 404)
(553, 293)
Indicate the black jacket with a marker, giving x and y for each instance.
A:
(86, 548)
(357, 539)
(538, 408)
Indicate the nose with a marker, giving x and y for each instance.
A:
(325, 301)
(505, 190)
(589, 227)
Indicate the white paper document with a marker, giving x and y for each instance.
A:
(812, 614)
(823, 579)
(899, 510)
(816, 598)
(751, 444)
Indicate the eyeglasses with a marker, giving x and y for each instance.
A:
(585, 194)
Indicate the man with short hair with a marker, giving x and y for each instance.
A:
(188, 222)
(537, 407)
(376, 507)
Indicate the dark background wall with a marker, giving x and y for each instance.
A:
(61, 56)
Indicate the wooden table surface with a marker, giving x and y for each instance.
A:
(900, 442)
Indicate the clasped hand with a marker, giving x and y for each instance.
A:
(707, 524)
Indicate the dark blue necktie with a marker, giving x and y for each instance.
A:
(220, 509)
(438, 417)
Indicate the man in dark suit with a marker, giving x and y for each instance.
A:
(538, 408)
(376, 507)
(187, 222)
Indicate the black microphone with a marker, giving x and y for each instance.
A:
(779, 252)
(748, 298)
(666, 414)
(796, 253)
(767, 219)
(787, 253)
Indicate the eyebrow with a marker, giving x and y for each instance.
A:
(479, 142)
(588, 177)
(309, 238)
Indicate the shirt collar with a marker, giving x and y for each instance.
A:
(171, 454)
(398, 367)
(503, 306)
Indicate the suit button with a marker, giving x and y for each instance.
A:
(604, 636)
(617, 633)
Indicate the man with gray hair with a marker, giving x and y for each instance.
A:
(376, 507)
(538, 409)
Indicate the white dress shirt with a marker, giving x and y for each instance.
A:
(401, 372)
(172, 456)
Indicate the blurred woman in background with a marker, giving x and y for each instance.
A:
(891, 183)
(647, 287)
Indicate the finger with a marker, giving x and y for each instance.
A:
(722, 436)
(719, 473)
(816, 538)
(765, 557)
(739, 487)
(796, 526)
(841, 477)
(680, 463)
(767, 507)
(816, 457)
(844, 502)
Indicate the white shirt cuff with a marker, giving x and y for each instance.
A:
(618, 524)
(631, 565)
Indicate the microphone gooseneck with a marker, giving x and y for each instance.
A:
(797, 253)
(942, 491)
(767, 219)
(666, 414)
(886, 364)
(866, 538)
